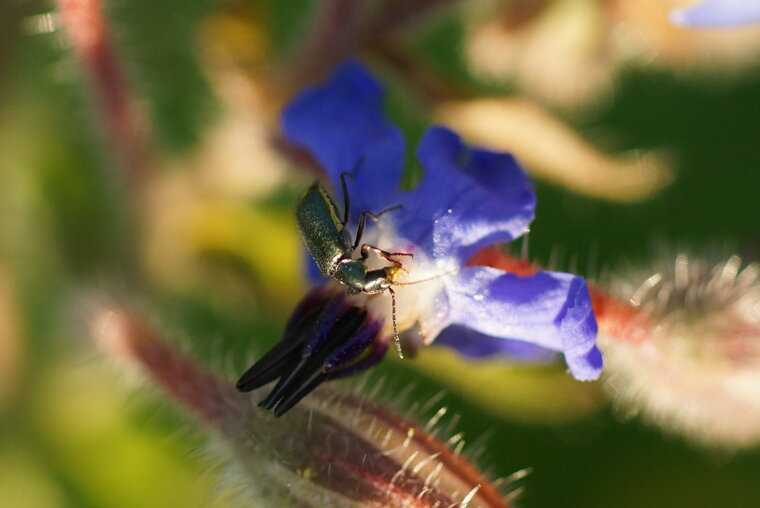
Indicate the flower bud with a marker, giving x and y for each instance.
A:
(332, 449)
(691, 363)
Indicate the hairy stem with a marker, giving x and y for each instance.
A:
(88, 31)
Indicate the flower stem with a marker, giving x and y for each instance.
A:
(88, 30)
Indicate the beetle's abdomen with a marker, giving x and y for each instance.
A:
(321, 230)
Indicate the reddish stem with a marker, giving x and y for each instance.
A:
(205, 394)
(335, 33)
(88, 31)
(398, 14)
(343, 27)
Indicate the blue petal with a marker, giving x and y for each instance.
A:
(468, 199)
(341, 123)
(474, 344)
(549, 309)
(718, 13)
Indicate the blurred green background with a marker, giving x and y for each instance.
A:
(76, 430)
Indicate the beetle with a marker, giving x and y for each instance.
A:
(329, 337)
(329, 243)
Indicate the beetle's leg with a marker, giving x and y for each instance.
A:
(383, 253)
(360, 229)
(344, 187)
(363, 220)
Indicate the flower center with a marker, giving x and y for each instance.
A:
(418, 286)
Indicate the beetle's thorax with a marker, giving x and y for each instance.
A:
(353, 274)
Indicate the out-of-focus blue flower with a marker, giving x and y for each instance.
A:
(468, 199)
(718, 13)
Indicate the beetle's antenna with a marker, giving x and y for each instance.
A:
(344, 187)
(450, 272)
(359, 162)
(396, 338)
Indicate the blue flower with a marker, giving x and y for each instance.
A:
(718, 13)
(468, 199)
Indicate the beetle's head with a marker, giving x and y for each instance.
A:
(392, 272)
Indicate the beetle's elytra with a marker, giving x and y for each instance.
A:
(330, 245)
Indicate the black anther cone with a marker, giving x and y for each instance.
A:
(323, 323)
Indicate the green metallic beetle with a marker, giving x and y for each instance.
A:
(329, 244)
(329, 336)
